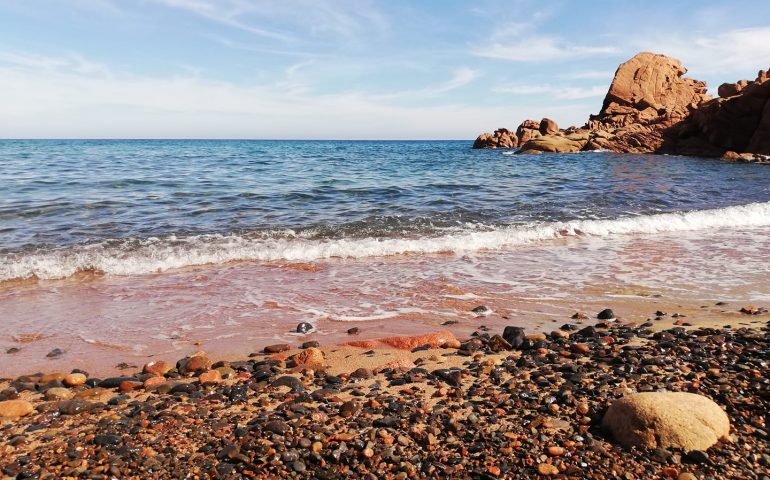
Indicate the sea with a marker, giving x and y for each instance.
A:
(114, 250)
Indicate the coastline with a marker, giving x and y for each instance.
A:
(366, 410)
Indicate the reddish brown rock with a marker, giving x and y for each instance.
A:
(548, 127)
(312, 358)
(159, 368)
(435, 339)
(74, 379)
(212, 376)
(197, 362)
(281, 347)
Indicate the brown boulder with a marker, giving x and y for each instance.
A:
(651, 80)
(527, 130)
(501, 138)
(667, 420)
(574, 142)
(548, 127)
(728, 90)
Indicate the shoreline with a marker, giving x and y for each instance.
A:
(478, 411)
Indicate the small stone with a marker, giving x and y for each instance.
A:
(304, 327)
(105, 440)
(195, 363)
(210, 377)
(74, 379)
(555, 451)
(353, 331)
(514, 336)
(686, 476)
(482, 311)
(56, 352)
(581, 348)
(547, 469)
(58, 393)
(13, 350)
(606, 314)
(158, 367)
(278, 348)
(15, 408)
(311, 344)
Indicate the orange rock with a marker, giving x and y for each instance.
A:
(74, 379)
(547, 469)
(128, 386)
(555, 451)
(212, 376)
(670, 472)
(157, 368)
(580, 348)
(198, 361)
(435, 339)
(312, 358)
(15, 408)
(51, 377)
(152, 381)
(494, 470)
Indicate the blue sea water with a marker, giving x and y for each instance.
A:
(133, 206)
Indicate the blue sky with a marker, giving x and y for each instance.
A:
(347, 69)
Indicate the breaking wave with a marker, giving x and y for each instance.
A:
(141, 256)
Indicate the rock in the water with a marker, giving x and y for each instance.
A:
(548, 127)
(304, 327)
(667, 420)
(15, 408)
(278, 348)
(56, 352)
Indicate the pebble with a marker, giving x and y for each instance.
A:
(74, 379)
(158, 367)
(56, 352)
(606, 314)
(353, 331)
(304, 327)
(278, 348)
(547, 469)
(58, 393)
(15, 408)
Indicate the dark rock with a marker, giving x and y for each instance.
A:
(105, 440)
(56, 352)
(353, 331)
(514, 336)
(606, 314)
(293, 383)
(305, 327)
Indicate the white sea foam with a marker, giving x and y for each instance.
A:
(157, 254)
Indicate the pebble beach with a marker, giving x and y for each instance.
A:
(498, 404)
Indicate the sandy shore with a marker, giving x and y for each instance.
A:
(442, 408)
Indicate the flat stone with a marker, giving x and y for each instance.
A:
(15, 408)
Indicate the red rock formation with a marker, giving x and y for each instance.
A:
(435, 339)
(652, 108)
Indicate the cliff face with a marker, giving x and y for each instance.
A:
(652, 108)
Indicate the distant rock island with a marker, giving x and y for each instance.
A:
(651, 108)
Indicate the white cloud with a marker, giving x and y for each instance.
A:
(460, 78)
(50, 97)
(732, 52)
(558, 92)
(539, 48)
(342, 19)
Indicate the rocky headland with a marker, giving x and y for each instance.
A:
(652, 108)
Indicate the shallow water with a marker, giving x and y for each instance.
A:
(121, 251)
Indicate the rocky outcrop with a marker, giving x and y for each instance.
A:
(651, 107)
(667, 420)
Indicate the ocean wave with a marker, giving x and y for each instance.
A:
(141, 256)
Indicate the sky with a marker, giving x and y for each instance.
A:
(344, 69)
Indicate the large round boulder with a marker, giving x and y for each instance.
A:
(667, 420)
